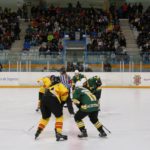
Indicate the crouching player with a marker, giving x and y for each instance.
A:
(77, 77)
(88, 106)
(44, 83)
(52, 103)
(94, 85)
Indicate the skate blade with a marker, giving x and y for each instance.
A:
(62, 139)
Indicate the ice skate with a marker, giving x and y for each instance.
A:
(60, 137)
(83, 134)
(102, 132)
(37, 133)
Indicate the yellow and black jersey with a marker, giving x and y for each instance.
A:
(46, 82)
(60, 91)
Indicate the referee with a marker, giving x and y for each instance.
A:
(65, 79)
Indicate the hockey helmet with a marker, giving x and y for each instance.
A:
(76, 72)
(52, 77)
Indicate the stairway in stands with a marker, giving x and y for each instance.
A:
(18, 44)
(132, 47)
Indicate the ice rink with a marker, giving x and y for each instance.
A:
(125, 112)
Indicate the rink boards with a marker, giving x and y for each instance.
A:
(109, 80)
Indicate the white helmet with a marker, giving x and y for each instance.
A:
(76, 72)
(83, 80)
(78, 84)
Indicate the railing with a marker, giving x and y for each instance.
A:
(97, 61)
(31, 60)
(119, 62)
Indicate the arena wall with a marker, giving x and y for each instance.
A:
(84, 3)
(145, 3)
(13, 4)
(109, 80)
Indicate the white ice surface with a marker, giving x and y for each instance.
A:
(123, 111)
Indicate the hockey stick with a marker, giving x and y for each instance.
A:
(106, 129)
(31, 128)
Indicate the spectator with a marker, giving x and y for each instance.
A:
(26, 46)
(8, 22)
(78, 5)
(50, 37)
(70, 67)
(107, 67)
(42, 50)
(140, 8)
(72, 34)
(60, 47)
(17, 31)
(88, 69)
(125, 10)
(25, 12)
(122, 40)
(1, 67)
(1, 44)
(45, 69)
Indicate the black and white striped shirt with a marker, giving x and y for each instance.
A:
(65, 80)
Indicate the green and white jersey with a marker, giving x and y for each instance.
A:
(88, 101)
(77, 78)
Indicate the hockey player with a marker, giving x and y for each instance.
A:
(77, 77)
(44, 83)
(88, 106)
(52, 103)
(94, 85)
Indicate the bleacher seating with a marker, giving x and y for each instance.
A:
(142, 24)
(9, 28)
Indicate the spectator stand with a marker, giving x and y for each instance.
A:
(141, 26)
(9, 28)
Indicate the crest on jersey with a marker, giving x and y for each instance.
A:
(137, 79)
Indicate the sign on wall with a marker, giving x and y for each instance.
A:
(108, 79)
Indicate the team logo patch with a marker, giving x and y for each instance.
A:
(137, 79)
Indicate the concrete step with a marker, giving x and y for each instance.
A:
(130, 33)
(130, 37)
(131, 41)
(18, 44)
(123, 20)
(127, 30)
(75, 48)
(124, 23)
(133, 49)
(125, 27)
(132, 45)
